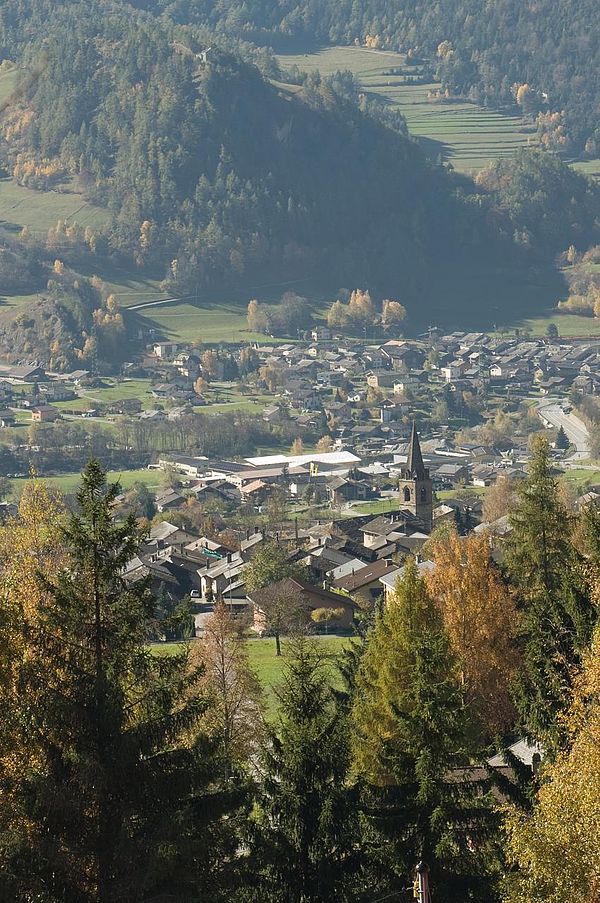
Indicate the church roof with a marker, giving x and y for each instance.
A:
(414, 461)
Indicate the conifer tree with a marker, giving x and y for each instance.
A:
(305, 816)
(410, 731)
(111, 798)
(557, 614)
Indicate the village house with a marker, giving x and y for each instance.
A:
(306, 596)
(44, 414)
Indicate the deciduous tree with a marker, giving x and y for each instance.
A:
(480, 619)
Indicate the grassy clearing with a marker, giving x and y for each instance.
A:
(8, 82)
(186, 322)
(568, 325)
(268, 668)
(68, 482)
(580, 477)
(467, 135)
(39, 210)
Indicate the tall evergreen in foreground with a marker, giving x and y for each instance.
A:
(303, 845)
(113, 802)
(557, 613)
(410, 729)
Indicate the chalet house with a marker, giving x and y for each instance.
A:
(390, 579)
(44, 414)
(25, 373)
(309, 597)
(381, 379)
(364, 584)
(454, 370)
(451, 473)
(166, 351)
(342, 491)
(216, 578)
(7, 418)
(170, 500)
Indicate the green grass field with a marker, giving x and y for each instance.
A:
(68, 482)
(39, 210)
(465, 134)
(269, 668)
(186, 322)
(568, 325)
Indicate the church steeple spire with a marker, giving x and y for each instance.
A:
(415, 485)
(414, 461)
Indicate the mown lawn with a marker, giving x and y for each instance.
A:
(269, 668)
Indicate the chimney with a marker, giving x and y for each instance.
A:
(229, 558)
(247, 534)
(255, 529)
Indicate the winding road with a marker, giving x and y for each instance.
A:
(552, 411)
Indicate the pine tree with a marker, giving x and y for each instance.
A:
(409, 732)
(557, 614)
(303, 844)
(562, 440)
(111, 798)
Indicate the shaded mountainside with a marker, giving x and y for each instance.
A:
(218, 175)
(497, 44)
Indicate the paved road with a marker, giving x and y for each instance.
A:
(573, 426)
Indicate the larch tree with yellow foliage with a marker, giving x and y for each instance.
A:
(480, 618)
(555, 850)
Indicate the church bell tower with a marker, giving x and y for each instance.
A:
(415, 486)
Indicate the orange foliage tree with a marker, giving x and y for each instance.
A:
(480, 618)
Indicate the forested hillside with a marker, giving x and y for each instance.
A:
(211, 170)
(218, 173)
(496, 46)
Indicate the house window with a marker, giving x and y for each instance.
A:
(423, 494)
(406, 494)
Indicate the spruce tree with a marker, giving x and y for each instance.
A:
(557, 615)
(305, 819)
(115, 793)
(409, 732)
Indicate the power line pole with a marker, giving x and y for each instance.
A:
(421, 891)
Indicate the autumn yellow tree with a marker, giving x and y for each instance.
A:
(256, 317)
(480, 618)
(500, 500)
(556, 849)
(234, 717)
(393, 313)
(29, 545)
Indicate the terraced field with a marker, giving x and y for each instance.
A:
(465, 134)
